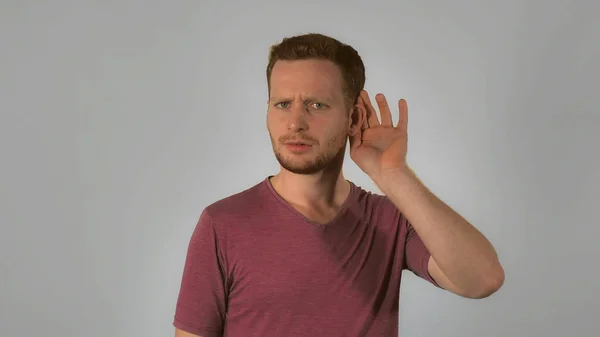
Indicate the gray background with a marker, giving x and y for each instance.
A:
(121, 120)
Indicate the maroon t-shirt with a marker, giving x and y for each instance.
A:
(257, 267)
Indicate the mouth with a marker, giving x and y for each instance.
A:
(298, 146)
(299, 143)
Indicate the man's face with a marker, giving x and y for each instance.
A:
(307, 117)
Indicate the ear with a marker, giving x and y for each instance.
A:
(358, 117)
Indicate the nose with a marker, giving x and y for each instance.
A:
(297, 121)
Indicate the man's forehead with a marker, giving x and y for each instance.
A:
(312, 77)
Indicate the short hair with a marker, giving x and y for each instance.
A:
(322, 47)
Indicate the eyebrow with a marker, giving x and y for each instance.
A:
(309, 98)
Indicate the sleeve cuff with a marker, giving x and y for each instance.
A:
(202, 332)
(425, 268)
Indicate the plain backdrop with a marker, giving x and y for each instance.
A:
(121, 120)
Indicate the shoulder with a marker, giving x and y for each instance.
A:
(377, 208)
(373, 201)
(237, 206)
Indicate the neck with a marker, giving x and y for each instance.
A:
(327, 188)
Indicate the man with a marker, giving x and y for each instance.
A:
(308, 253)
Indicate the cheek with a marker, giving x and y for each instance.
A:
(339, 127)
(276, 126)
(274, 118)
(336, 133)
(271, 121)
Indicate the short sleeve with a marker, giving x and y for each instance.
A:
(416, 255)
(201, 305)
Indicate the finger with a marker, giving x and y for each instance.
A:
(403, 121)
(371, 113)
(384, 110)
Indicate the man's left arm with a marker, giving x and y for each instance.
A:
(462, 260)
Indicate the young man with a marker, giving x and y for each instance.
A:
(308, 253)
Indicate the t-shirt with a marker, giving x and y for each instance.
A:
(256, 267)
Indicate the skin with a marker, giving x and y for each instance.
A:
(307, 103)
(462, 260)
(181, 333)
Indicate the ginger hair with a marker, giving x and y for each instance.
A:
(322, 47)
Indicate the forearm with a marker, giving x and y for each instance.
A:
(462, 253)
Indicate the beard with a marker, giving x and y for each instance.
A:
(331, 154)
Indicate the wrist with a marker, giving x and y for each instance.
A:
(396, 179)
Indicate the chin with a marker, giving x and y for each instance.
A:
(299, 166)
(302, 170)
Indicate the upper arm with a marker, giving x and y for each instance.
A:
(445, 283)
(201, 305)
(181, 333)
(416, 256)
(418, 259)
(441, 279)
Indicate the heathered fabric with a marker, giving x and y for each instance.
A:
(256, 267)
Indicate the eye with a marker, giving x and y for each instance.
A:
(318, 106)
(283, 105)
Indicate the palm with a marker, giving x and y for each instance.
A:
(380, 145)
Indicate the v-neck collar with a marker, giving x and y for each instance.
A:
(343, 208)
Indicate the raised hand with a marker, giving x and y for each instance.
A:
(380, 145)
